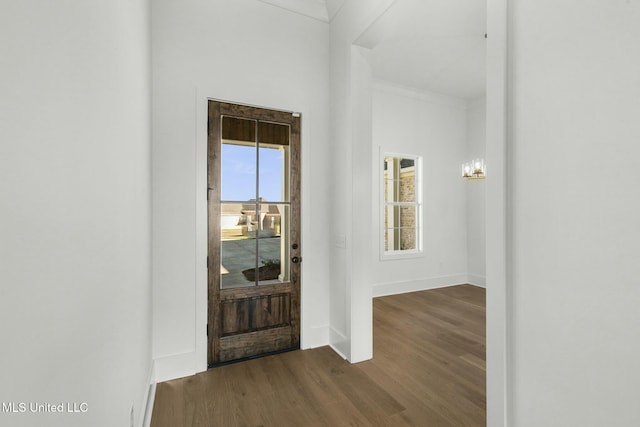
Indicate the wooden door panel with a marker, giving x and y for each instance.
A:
(254, 313)
(254, 343)
(239, 293)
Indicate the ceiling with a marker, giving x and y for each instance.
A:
(323, 10)
(433, 45)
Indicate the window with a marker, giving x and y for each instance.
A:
(402, 209)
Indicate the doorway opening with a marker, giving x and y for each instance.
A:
(492, 32)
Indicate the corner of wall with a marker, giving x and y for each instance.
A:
(339, 343)
(477, 280)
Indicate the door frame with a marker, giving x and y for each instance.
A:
(215, 110)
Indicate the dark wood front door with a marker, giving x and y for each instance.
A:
(254, 231)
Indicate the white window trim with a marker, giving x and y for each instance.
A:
(401, 254)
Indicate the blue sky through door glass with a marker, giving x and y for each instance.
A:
(271, 167)
(239, 173)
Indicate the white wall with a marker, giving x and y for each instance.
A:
(575, 244)
(243, 51)
(75, 210)
(476, 238)
(408, 121)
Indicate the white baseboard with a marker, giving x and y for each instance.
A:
(313, 337)
(175, 366)
(149, 398)
(393, 288)
(477, 280)
(338, 342)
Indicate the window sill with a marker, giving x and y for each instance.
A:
(388, 256)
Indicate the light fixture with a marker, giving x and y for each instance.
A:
(475, 169)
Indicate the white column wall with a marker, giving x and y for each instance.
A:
(350, 291)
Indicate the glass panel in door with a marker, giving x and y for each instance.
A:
(238, 201)
(254, 203)
(273, 244)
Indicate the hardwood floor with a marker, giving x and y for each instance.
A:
(428, 370)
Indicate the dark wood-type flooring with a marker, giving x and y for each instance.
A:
(428, 370)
